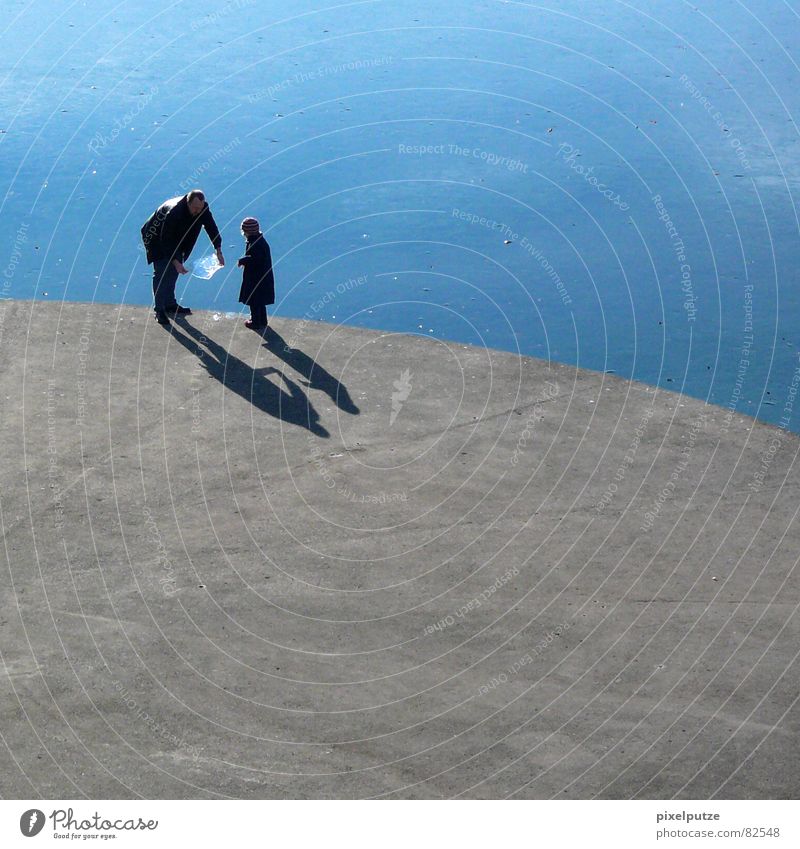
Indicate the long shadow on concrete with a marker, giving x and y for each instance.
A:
(312, 371)
(251, 384)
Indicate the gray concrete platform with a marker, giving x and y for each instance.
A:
(334, 563)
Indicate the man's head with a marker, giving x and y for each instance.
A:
(197, 202)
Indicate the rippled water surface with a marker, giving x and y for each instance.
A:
(606, 184)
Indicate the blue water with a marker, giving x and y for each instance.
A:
(392, 149)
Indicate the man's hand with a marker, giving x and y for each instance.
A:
(180, 267)
(220, 257)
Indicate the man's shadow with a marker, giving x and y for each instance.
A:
(251, 384)
(316, 377)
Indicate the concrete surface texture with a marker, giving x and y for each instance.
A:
(334, 563)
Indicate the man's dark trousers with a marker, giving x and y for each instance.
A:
(165, 276)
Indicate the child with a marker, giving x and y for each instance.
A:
(258, 281)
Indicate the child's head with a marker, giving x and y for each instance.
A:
(250, 228)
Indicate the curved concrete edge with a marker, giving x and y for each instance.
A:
(342, 563)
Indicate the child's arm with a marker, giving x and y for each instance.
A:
(246, 259)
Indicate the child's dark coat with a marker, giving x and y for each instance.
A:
(258, 281)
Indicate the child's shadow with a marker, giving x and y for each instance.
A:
(249, 383)
(316, 376)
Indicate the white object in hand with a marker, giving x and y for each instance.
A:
(206, 267)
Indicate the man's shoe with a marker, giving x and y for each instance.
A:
(251, 325)
(178, 310)
(161, 317)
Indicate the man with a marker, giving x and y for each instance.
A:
(169, 236)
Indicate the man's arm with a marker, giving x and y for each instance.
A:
(213, 233)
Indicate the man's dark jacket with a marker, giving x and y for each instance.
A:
(258, 281)
(171, 231)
